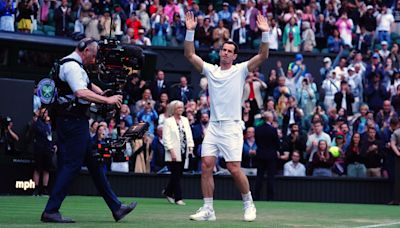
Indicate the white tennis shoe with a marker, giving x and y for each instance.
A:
(250, 213)
(204, 214)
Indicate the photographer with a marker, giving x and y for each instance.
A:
(8, 136)
(75, 92)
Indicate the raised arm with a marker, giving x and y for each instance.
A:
(190, 53)
(262, 55)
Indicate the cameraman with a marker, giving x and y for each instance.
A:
(74, 97)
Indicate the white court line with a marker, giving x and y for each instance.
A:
(379, 225)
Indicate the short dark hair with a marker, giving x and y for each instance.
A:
(233, 43)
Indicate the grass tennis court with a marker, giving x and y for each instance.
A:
(24, 211)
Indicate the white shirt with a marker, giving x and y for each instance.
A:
(226, 90)
(344, 103)
(274, 37)
(385, 21)
(76, 77)
(296, 170)
(316, 138)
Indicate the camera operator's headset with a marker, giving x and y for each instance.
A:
(82, 45)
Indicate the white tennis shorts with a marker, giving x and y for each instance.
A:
(224, 137)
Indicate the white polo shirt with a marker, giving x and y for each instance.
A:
(226, 90)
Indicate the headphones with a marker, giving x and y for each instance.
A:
(82, 45)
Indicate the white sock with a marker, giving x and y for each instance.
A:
(247, 199)
(208, 202)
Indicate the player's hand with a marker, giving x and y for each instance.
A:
(262, 23)
(191, 21)
(116, 99)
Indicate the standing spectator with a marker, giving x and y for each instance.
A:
(322, 160)
(182, 92)
(335, 42)
(372, 148)
(212, 15)
(225, 14)
(275, 35)
(356, 87)
(331, 85)
(306, 97)
(25, 12)
(159, 85)
(308, 37)
(376, 93)
(385, 22)
(324, 71)
(363, 41)
(241, 35)
(62, 17)
(91, 23)
(178, 143)
(309, 17)
(321, 31)
(295, 141)
(368, 20)
(143, 17)
(355, 159)
(344, 98)
(392, 161)
(146, 98)
(294, 168)
(266, 138)
(106, 28)
(7, 12)
(291, 36)
(220, 35)
(125, 115)
(395, 101)
(170, 9)
(134, 23)
(395, 55)
(251, 19)
(384, 116)
(160, 31)
(148, 115)
(253, 92)
(317, 136)
(238, 17)
(204, 33)
(248, 164)
(178, 31)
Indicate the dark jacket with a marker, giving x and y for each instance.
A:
(236, 38)
(176, 94)
(267, 141)
(155, 91)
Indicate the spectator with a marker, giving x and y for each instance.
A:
(339, 167)
(355, 159)
(281, 89)
(368, 20)
(170, 9)
(291, 36)
(385, 22)
(294, 168)
(157, 163)
(148, 115)
(344, 98)
(241, 35)
(160, 31)
(376, 93)
(345, 26)
(178, 31)
(178, 143)
(295, 141)
(25, 12)
(7, 12)
(335, 42)
(308, 37)
(182, 92)
(306, 97)
(356, 87)
(214, 18)
(195, 9)
(220, 35)
(331, 85)
(204, 33)
(363, 41)
(142, 40)
(318, 135)
(106, 28)
(9, 137)
(238, 17)
(275, 35)
(91, 23)
(272, 83)
(249, 165)
(134, 23)
(384, 116)
(375, 67)
(143, 17)
(225, 14)
(395, 55)
(159, 85)
(253, 92)
(324, 71)
(62, 16)
(146, 98)
(322, 160)
(321, 31)
(125, 115)
(372, 148)
(251, 19)
(384, 51)
(395, 101)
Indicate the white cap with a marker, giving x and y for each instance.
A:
(327, 59)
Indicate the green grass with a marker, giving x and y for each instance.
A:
(24, 211)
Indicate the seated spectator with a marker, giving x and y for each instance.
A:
(291, 36)
(281, 89)
(142, 40)
(372, 148)
(248, 164)
(294, 168)
(161, 103)
(322, 160)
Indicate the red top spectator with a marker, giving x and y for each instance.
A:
(134, 23)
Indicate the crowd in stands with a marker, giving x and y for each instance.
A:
(296, 25)
(354, 108)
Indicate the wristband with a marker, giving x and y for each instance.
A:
(189, 35)
(265, 37)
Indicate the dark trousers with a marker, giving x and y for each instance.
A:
(173, 188)
(74, 148)
(263, 165)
